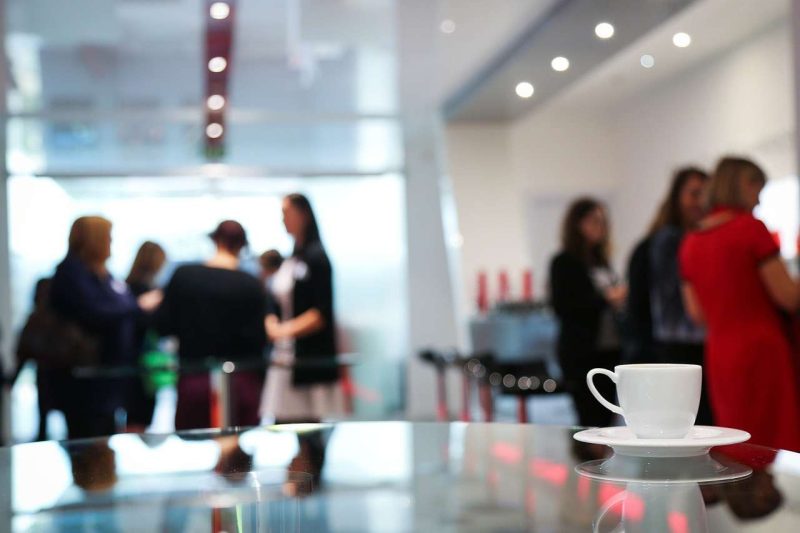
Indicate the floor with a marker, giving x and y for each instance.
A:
(556, 409)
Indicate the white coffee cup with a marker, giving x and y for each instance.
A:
(658, 401)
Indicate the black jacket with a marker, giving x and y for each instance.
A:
(216, 314)
(579, 306)
(638, 342)
(313, 289)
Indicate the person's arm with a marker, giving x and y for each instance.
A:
(783, 290)
(692, 304)
(303, 325)
(165, 317)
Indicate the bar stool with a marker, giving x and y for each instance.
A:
(440, 362)
(476, 369)
(524, 380)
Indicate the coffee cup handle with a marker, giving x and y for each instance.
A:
(605, 403)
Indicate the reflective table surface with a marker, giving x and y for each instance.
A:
(390, 476)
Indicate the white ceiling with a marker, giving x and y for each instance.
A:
(284, 38)
(484, 29)
(715, 26)
(566, 30)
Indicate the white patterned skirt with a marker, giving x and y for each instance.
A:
(282, 400)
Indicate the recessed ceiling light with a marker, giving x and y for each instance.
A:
(524, 89)
(215, 102)
(217, 64)
(647, 61)
(219, 10)
(447, 26)
(681, 39)
(560, 64)
(604, 30)
(214, 130)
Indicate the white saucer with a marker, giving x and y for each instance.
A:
(698, 442)
(664, 470)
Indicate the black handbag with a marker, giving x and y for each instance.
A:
(55, 342)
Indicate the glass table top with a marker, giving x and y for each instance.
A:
(390, 476)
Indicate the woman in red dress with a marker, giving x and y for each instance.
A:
(736, 284)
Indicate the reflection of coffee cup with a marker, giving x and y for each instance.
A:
(658, 401)
(648, 507)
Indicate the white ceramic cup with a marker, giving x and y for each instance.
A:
(658, 401)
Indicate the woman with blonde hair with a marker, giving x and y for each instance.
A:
(84, 293)
(737, 286)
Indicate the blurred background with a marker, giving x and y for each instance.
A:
(439, 141)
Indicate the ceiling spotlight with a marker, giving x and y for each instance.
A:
(604, 30)
(560, 64)
(447, 26)
(217, 64)
(681, 39)
(524, 89)
(214, 130)
(219, 10)
(215, 102)
(647, 61)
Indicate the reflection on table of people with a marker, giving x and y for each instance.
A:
(379, 476)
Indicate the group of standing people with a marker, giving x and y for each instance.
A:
(705, 286)
(216, 311)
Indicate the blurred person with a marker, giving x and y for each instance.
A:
(587, 297)
(736, 284)
(149, 261)
(85, 293)
(50, 378)
(217, 313)
(270, 261)
(659, 330)
(302, 382)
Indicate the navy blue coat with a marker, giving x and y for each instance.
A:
(106, 309)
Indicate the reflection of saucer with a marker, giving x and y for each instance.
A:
(699, 440)
(697, 469)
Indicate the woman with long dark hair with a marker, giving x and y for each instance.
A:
(660, 331)
(586, 295)
(302, 383)
(149, 261)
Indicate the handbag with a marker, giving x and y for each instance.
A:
(55, 342)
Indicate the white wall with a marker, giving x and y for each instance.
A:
(559, 153)
(491, 213)
(742, 102)
(739, 101)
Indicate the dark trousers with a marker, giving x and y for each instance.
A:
(52, 389)
(590, 412)
(194, 406)
(89, 405)
(689, 354)
(140, 404)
